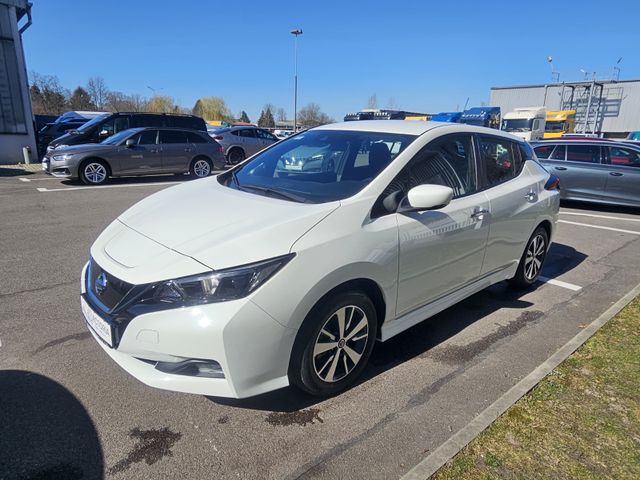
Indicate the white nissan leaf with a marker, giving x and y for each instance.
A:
(288, 268)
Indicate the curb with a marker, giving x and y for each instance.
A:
(457, 442)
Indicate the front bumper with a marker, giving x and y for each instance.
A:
(58, 169)
(251, 347)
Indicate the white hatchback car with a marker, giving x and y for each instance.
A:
(287, 268)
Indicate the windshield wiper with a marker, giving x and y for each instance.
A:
(281, 194)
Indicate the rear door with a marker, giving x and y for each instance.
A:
(249, 141)
(623, 175)
(143, 157)
(582, 174)
(176, 151)
(513, 198)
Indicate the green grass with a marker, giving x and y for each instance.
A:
(581, 422)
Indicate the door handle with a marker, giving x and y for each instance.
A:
(479, 213)
(153, 151)
(187, 149)
(561, 168)
(615, 174)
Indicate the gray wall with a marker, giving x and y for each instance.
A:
(16, 118)
(620, 110)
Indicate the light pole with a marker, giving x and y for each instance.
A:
(295, 32)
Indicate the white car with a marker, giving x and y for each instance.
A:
(268, 275)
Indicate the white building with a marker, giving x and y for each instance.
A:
(609, 107)
(16, 118)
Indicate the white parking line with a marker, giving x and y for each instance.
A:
(22, 179)
(560, 283)
(68, 189)
(632, 232)
(608, 217)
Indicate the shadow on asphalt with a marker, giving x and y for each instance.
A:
(596, 207)
(151, 179)
(45, 432)
(14, 172)
(422, 339)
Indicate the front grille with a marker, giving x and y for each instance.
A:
(109, 294)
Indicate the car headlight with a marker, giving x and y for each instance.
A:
(58, 147)
(62, 158)
(210, 287)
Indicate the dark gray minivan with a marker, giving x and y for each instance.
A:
(105, 125)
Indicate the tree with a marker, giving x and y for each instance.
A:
(266, 118)
(48, 97)
(311, 116)
(373, 101)
(244, 117)
(98, 91)
(120, 102)
(212, 108)
(281, 115)
(162, 104)
(81, 100)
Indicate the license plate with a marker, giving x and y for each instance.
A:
(97, 324)
(293, 167)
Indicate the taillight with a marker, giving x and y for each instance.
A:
(218, 137)
(553, 183)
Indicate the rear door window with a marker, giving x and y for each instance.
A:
(248, 132)
(583, 153)
(558, 153)
(195, 138)
(543, 151)
(172, 136)
(624, 157)
(500, 160)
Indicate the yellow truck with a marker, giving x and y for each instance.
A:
(559, 122)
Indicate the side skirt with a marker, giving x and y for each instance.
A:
(408, 320)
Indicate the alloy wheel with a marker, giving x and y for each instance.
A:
(340, 344)
(201, 168)
(534, 257)
(95, 172)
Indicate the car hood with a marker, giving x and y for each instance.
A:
(218, 226)
(85, 147)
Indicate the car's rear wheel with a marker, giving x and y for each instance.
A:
(94, 172)
(235, 156)
(200, 168)
(532, 260)
(334, 344)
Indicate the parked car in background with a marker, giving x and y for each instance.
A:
(108, 124)
(137, 151)
(282, 134)
(290, 277)
(51, 131)
(601, 171)
(240, 142)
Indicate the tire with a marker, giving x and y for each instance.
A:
(201, 167)
(342, 357)
(532, 260)
(235, 156)
(94, 172)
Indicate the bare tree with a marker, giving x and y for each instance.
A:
(311, 116)
(48, 97)
(281, 115)
(98, 91)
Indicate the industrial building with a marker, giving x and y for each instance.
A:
(610, 108)
(16, 119)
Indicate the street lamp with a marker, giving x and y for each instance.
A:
(295, 32)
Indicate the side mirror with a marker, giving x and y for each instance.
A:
(130, 143)
(103, 133)
(428, 197)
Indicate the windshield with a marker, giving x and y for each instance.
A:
(87, 126)
(117, 138)
(557, 126)
(517, 125)
(319, 165)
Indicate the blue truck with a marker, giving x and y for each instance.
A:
(482, 117)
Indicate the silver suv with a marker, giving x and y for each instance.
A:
(241, 142)
(137, 151)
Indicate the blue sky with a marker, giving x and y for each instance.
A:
(424, 56)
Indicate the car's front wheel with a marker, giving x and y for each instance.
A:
(532, 260)
(94, 172)
(334, 344)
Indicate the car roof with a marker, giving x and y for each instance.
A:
(579, 141)
(413, 127)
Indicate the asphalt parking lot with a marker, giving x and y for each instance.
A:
(68, 411)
